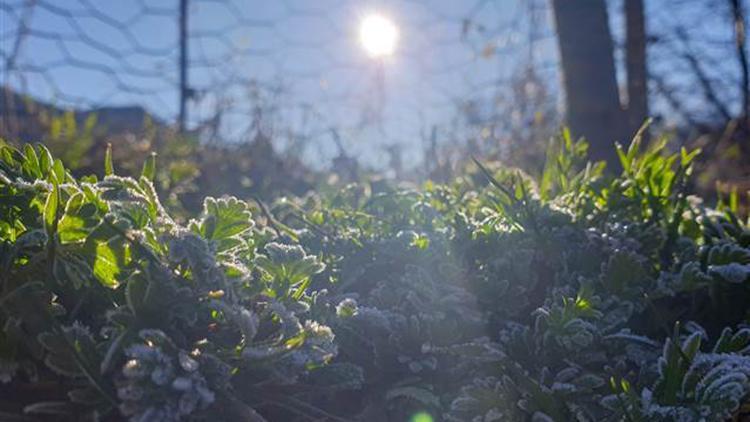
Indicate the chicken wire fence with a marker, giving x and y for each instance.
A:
(225, 66)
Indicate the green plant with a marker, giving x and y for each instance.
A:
(130, 313)
(578, 296)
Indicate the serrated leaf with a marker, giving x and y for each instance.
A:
(225, 218)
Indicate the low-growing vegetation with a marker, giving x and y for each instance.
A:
(579, 296)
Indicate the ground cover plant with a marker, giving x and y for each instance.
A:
(579, 296)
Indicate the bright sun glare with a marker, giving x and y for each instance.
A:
(378, 35)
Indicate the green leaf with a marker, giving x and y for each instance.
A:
(421, 242)
(731, 273)
(420, 395)
(135, 292)
(223, 220)
(31, 162)
(622, 271)
(149, 167)
(624, 160)
(691, 345)
(59, 171)
(78, 220)
(72, 228)
(106, 267)
(63, 364)
(48, 408)
(85, 395)
(113, 351)
(45, 161)
(109, 168)
(54, 343)
(72, 268)
(50, 211)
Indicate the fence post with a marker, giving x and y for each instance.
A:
(184, 90)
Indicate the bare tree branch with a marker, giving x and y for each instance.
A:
(703, 79)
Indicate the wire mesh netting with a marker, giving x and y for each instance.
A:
(487, 66)
(298, 62)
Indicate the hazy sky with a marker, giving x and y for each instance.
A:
(310, 48)
(96, 52)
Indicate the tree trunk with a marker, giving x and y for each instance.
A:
(635, 63)
(740, 36)
(588, 65)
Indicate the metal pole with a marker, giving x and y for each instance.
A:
(184, 90)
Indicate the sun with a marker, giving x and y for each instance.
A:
(378, 35)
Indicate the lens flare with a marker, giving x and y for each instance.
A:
(421, 417)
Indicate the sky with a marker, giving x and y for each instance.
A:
(301, 59)
(89, 53)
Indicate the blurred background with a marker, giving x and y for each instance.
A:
(263, 98)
